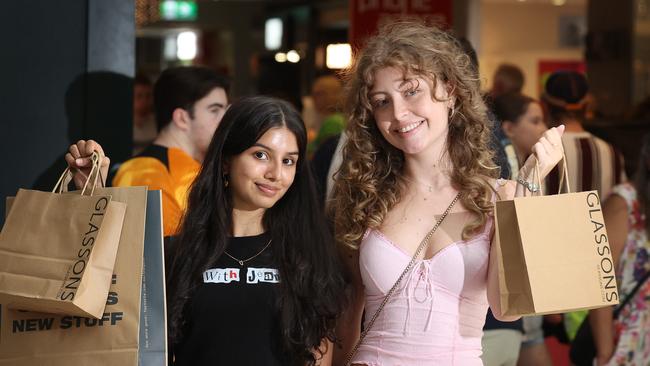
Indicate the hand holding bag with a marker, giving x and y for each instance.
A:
(57, 251)
(553, 254)
(132, 329)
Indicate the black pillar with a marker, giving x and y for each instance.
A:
(66, 71)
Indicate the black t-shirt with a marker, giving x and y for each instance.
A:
(233, 315)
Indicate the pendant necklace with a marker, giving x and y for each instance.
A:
(242, 261)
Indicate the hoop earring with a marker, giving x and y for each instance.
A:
(452, 111)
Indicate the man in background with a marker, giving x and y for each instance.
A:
(326, 93)
(189, 103)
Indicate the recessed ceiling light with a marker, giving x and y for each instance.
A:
(293, 56)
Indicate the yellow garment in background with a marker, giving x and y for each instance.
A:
(174, 181)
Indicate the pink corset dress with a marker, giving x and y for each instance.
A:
(436, 316)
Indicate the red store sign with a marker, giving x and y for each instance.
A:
(367, 15)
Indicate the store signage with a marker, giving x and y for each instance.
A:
(366, 16)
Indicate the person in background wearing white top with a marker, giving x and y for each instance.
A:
(592, 163)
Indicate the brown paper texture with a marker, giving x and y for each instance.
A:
(57, 252)
(554, 254)
(28, 338)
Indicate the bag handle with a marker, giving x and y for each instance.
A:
(564, 176)
(95, 173)
(423, 244)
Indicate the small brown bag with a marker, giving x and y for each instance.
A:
(57, 251)
(553, 254)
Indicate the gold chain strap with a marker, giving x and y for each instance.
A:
(422, 246)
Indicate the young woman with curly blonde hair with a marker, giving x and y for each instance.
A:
(417, 141)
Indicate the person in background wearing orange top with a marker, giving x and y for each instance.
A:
(189, 103)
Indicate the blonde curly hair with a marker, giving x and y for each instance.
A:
(369, 182)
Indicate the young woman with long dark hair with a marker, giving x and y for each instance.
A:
(254, 278)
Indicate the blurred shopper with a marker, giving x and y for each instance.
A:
(625, 340)
(144, 123)
(322, 163)
(522, 121)
(326, 94)
(189, 103)
(592, 163)
(499, 143)
(508, 79)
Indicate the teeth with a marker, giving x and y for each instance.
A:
(409, 127)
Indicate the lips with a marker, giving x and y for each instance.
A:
(267, 190)
(408, 128)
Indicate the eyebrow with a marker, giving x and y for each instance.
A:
(403, 82)
(216, 105)
(268, 148)
(407, 81)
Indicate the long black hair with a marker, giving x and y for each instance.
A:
(312, 283)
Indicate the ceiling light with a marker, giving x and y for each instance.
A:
(281, 57)
(273, 33)
(186, 45)
(338, 56)
(293, 56)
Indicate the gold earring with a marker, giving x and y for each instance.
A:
(452, 111)
(225, 181)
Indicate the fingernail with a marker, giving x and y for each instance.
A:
(79, 161)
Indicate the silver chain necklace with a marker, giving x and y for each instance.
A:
(242, 261)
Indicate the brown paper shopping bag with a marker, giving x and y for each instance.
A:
(57, 251)
(29, 338)
(553, 254)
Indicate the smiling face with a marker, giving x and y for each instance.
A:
(406, 113)
(262, 174)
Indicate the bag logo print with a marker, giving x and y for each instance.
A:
(76, 270)
(606, 266)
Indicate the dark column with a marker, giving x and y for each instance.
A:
(609, 54)
(66, 72)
